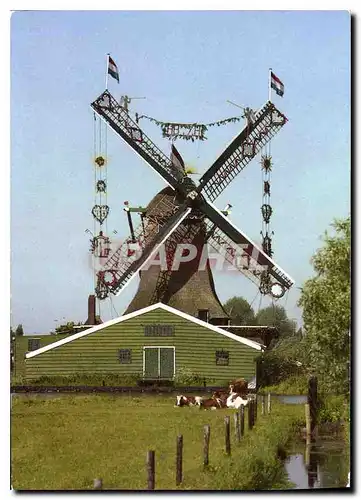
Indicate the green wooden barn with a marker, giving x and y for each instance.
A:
(154, 343)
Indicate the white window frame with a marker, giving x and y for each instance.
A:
(158, 347)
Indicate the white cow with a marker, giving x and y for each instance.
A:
(236, 401)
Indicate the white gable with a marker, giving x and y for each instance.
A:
(217, 329)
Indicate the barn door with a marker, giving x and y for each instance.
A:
(158, 362)
(166, 362)
(150, 363)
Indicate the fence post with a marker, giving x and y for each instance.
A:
(98, 484)
(242, 420)
(151, 469)
(227, 434)
(263, 404)
(255, 410)
(207, 436)
(308, 423)
(179, 460)
(250, 415)
(312, 402)
(236, 426)
(269, 403)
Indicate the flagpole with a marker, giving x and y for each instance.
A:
(269, 85)
(106, 73)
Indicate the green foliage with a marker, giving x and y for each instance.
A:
(240, 311)
(325, 299)
(68, 328)
(185, 377)
(333, 409)
(287, 359)
(294, 385)
(275, 315)
(19, 330)
(88, 379)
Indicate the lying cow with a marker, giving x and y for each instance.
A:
(221, 398)
(210, 404)
(235, 400)
(188, 400)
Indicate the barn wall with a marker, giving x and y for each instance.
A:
(21, 348)
(98, 352)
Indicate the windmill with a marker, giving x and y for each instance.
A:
(183, 213)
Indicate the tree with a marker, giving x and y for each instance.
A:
(326, 301)
(19, 330)
(67, 328)
(240, 311)
(276, 316)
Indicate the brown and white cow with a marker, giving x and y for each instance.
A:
(221, 398)
(235, 400)
(188, 400)
(240, 386)
(210, 404)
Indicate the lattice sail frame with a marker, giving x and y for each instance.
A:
(246, 145)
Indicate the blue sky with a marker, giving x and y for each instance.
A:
(187, 64)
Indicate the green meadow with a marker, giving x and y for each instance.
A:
(65, 442)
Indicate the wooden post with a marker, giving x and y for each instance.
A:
(227, 434)
(151, 469)
(308, 423)
(98, 484)
(207, 436)
(179, 461)
(307, 454)
(242, 420)
(263, 404)
(237, 429)
(269, 403)
(250, 415)
(312, 402)
(255, 410)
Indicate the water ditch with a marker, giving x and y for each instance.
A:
(324, 463)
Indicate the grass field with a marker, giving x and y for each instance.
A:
(63, 443)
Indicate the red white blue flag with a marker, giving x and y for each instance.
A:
(113, 69)
(277, 85)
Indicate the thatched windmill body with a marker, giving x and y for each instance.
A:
(183, 213)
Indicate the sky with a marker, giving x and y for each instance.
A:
(187, 65)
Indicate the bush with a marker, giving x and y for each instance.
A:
(297, 384)
(333, 409)
(88, 379)
(273, 368)
(185, 377)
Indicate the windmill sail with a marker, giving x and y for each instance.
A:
(119, 120)
(255, 262)
(124, 268)
(268, 121)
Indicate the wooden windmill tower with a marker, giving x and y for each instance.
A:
(183, 213)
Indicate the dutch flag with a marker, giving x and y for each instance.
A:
(277, 85)
(113, 69)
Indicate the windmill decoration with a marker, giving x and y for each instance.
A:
(184, 212)
(100, 242)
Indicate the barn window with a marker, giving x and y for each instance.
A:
(125, 356)
(33, 344)
(159, 330)
(222, 358)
